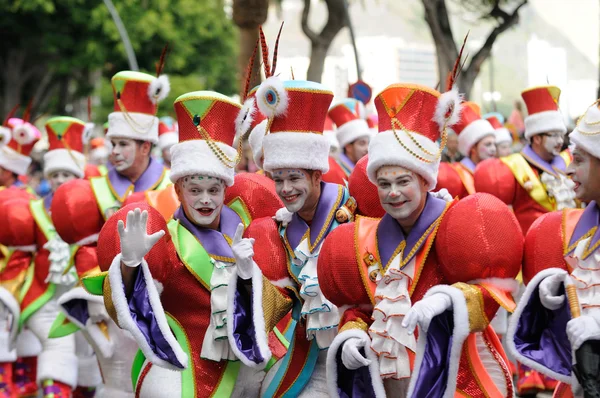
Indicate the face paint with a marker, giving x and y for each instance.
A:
(584, 171)
(293, 186)
(57, 178)
(486, 148)
(123, 153)
(503, 149)
(553, 142)
(401, 192)
(202, 198)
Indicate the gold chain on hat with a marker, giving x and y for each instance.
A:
(396, 124)
(138, 128)
(214, 147)
(588, 123)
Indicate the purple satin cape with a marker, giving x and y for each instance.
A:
(244, 332)
(354, 383)
(469, 164)
(149, 178)
(589, 219)
(557, 164)
(78, 309)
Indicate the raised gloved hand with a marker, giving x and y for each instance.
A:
(284, 216)
(422, 312)
(351, 356)
(549, 292)
(582, 329)
(243, 251)
(97, 312)
(135, 241)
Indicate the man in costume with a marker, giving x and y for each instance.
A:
(171, 293)
(277, 261)
(352, 131)
(476, 142)
(533, 181)
(562, 249)
(504, 138)
(421, 264)
(50, 275)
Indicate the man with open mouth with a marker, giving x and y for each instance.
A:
(444, 265)
(534, 182)
(562, 248)
(277, 260)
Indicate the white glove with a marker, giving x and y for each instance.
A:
(243, 251)
(135, 241)
(425, 310)
(97, 312)
(351, 357)
(549, 290)
(582, 329)
(443, 194)
(284, 216)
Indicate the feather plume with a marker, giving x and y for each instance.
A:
(89, 108)
(161, 62)
(11, 114)
(27, 113)
(249, 71)
(276, 49)
(265, 52)
(159, 89)
(452, 76)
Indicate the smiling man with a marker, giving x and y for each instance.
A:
(476, 142)
(424, 263)
(277, 261)
(563, 248)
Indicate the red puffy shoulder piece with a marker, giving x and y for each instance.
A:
(135, 197)
(479, 237)
(339, 273)
(544, 245)
(269, 251)
(18, 225)
(364, 191)
(494, 177)
(160, 258)
(91, 171)
(15, 193)
(75, 212)
(256, 193)
(336, 174)
(448, 178)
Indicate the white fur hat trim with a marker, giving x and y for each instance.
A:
(384, 150)
(195, 157)
(61, 160)
(167, 140)
(589, 142)
(14, 161)
(503, 135)
(255, 140)
(472, 134)
(544, 122)
(142, 127)
(351, 131)
(286, 150)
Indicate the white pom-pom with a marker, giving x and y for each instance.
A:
(245, 117)
(88, 133)
(447, 110)
(24, 134)
(271, 97)
(159, 89)
(4, 136)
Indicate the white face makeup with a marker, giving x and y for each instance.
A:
(486, 148)
(584, 171)
(123, 153)
(553, 142)
(503, 149)
(57, 178)
(293, 187)
(400, 191)
(202, 198)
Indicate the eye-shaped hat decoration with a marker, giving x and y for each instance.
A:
(17, 139)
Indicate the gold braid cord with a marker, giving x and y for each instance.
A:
(436, 156)
(214, 147)
(138, 128)
(69, 151)
(588, 123)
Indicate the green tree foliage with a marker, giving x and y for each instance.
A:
(57, 50)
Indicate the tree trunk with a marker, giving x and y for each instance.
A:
(318, 53)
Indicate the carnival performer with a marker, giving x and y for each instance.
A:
(504, 138)
(424, 263)
(476, 142)
(562, 250)
(352, 131)
(296, 154)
